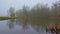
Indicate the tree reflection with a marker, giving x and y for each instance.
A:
(38, 25)
(23, 23)
(11, 23)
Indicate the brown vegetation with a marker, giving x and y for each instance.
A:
(53, 28)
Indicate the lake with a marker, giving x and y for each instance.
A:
(23, 27)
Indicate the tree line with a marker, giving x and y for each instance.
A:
(39, 11)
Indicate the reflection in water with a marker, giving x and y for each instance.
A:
(23, 23)
(37, 25)
(11, 23)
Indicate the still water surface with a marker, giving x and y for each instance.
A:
(21, 27)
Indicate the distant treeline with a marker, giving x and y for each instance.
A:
(37, 12)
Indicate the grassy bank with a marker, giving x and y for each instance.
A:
(6, 18)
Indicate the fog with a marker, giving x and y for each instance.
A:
(17, 4)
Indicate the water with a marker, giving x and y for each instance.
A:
(22, 27)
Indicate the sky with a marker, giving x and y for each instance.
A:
(18, 4)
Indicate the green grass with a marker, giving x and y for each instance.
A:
(6, 18)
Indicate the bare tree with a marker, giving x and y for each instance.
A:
(11, 12)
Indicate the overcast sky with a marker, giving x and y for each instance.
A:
(17, 4)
